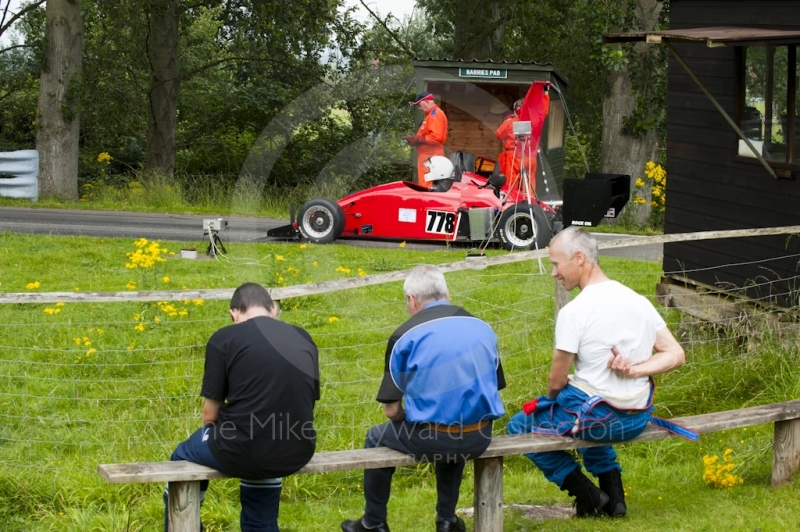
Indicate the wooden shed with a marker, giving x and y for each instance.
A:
(733, 142)
(477, 96)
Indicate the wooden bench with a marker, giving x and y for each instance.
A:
(184, 477)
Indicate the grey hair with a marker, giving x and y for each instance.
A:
(426, 283)
(576, 239)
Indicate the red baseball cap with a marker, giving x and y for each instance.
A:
(423, 97)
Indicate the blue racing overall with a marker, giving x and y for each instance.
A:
(576, 414)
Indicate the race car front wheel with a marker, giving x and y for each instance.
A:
(518, 230)
(321, 221)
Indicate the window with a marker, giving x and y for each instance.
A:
(555, 125)
(769, 104)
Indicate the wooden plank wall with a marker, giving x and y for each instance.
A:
(706, 188)
(471, 123)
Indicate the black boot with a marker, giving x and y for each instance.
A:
(611, 483)
(589, 500)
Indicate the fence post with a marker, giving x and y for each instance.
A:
(785, 450)
(184, 506)
(488, 502)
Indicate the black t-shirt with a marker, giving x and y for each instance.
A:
(267, 373)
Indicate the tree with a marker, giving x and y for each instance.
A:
(635, 106)
(58, 124)
(478, 26)
(162, 55)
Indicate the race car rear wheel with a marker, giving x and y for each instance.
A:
(321, 221)
(518, 231)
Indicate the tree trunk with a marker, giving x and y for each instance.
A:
(621, 152)
(162, 55)
(479, 31)
(58, 128)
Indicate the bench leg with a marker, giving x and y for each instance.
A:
(785, 450)
(184, 506)
(489, 494)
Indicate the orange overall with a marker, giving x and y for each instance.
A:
(509, 164)
(430, 139)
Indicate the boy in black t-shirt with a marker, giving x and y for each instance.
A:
(260, 383)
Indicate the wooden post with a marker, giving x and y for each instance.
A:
(562, 297)
(785, 450)
(488, 500)
(184, 506)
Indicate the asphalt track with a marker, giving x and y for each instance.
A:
(188, 229)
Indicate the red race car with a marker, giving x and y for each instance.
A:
(462, 206)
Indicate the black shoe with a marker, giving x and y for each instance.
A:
(358, 526)
(589, 499)
(611, 483)
(449, 526)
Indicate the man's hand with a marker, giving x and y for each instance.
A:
(394, 411)
(413, 140)
(621, 365)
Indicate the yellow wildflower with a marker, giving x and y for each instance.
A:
(183, 313)
(278, 257)
(402, 244)
(361, 273)
(165, 279)
(333, 319)
(640, 182)
(49, 310)
(343, 270)
(303, 246)
(315, 264)
(33, 286)
(77, 340)
(139, 327)
(197, 302)
(104, 157)
(90, 351)
(60, 304)
(131, 346)
(157, 319)
(131, 285)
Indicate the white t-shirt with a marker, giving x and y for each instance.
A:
(602, 316)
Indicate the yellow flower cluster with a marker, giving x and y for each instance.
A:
(104, 157)
(52, 311)
(333, 319)
(656, 176)
(131, 285)
(171, 310)
(719, 474)
(33, 286)
(147, 254)
(343, 270)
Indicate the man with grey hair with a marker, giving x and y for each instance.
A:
(443, 363)
(609, 332)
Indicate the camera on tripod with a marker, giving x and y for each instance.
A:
(214, 224)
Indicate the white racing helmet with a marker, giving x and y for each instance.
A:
(438, 168)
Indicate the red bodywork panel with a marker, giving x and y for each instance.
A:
(404, 210)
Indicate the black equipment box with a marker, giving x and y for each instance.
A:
(587, 201)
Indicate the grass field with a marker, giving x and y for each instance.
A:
(84, 384)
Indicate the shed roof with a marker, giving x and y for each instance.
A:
(517, 65)
(713, 37)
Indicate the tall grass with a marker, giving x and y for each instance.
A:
(66, 409)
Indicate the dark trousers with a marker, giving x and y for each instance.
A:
(447, 451)
(259, 498)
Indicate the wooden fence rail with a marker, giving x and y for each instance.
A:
(370, 280)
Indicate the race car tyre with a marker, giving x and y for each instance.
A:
(518, 231)
(321, 221)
